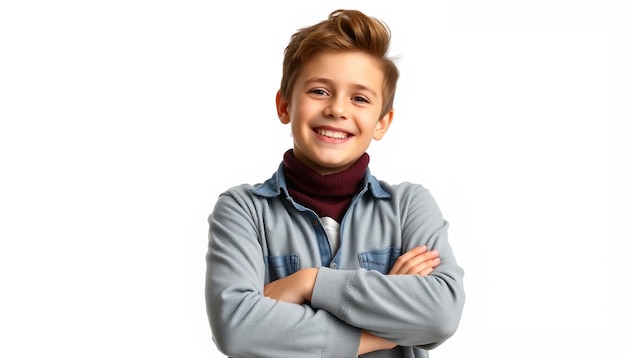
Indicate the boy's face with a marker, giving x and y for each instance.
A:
(334, 110)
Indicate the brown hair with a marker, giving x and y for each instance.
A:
(344, 30)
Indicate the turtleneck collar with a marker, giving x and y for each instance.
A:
(328, 195)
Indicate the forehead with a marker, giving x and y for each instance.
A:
(344, 68)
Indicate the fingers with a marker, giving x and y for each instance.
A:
(422, 268)
(417, 261)
(429, 266)
(402, 260)
(425, 272)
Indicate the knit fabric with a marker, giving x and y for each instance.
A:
(327, 195)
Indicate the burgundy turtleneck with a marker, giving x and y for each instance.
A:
(327, 195)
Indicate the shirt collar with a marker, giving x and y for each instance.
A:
(273, 186)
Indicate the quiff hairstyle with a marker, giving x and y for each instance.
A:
(344, 30)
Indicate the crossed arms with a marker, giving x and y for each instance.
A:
(298, 287)
(321, 310)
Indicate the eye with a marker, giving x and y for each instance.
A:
(319, 91)
(360, 99)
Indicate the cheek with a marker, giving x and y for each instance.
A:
(304, 109)
(370, 124)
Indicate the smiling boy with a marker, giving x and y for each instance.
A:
(335, 110)
(323, 259)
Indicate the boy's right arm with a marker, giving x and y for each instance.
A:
(243, 321)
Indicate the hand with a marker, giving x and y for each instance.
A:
(295, 288)
(370, 343)
(417, 261)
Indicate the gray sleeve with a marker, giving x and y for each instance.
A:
(407, 309)
(243, 322)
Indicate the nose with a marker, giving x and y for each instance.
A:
(336, 108)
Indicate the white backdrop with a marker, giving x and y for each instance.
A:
(121, 122)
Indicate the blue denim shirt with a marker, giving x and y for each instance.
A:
(258, 233)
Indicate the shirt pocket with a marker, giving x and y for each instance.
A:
(379, 260)
(277, 267)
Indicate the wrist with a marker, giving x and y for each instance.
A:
(370, 343)
(311, 276)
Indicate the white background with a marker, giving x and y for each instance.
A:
(121, 122)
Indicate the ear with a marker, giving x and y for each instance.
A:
(382, 125)
(282, 109)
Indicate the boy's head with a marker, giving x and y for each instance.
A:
(343, 31)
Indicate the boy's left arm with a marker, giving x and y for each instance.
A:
(411, 310)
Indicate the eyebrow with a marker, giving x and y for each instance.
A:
(328, 81)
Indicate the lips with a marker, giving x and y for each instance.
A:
(333, 134)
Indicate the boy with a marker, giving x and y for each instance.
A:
(323, 259)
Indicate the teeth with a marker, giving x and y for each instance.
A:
(332, 134)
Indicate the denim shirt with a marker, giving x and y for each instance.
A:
(258, 233)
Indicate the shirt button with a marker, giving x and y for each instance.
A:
(315, 223)
(333, 265)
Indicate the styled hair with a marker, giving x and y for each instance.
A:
(344, 30)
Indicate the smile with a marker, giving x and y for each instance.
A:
(332, 134)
